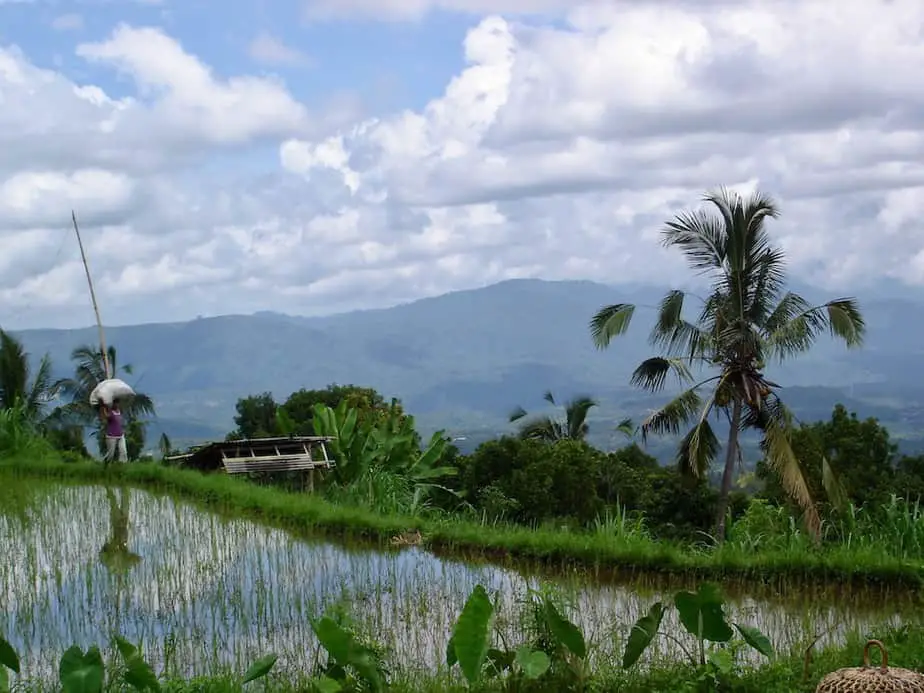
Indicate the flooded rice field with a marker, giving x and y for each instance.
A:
(81, 563)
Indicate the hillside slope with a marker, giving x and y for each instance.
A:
(462, 360)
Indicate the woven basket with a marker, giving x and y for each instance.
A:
(867, 679)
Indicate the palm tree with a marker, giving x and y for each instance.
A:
(746, 319)
(17, 385)
(572, 427)
(89, 371)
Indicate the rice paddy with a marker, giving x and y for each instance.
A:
(204, 592)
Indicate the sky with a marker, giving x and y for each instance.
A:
(317, 156)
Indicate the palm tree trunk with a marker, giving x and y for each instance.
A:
(731, 454)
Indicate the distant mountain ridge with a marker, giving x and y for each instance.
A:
(463, 360)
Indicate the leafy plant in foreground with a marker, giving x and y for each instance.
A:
(702, 615)
(470, 643)
(350, 665)
(559, 638)
(9, 661)
(85, 672)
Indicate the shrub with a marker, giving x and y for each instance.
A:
(533, 481)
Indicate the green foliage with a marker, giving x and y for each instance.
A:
(471, 635)
(746, 319)
(85, 672)
(259, 416)
(260, 668)
(702, 615)
(19, 433)
(573, 426)
(351, 665)
(379, 460)
(165, 447)
(18, 386)
(534, 480)
(138, 673)
(859, 451)
(643, 634)
(256, 417)
(529, 481)
(470, 645)
(135, 436)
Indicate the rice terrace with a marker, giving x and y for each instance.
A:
(326, 545)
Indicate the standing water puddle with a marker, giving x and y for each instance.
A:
(86, 562)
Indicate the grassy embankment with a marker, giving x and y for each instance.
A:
(865, 560)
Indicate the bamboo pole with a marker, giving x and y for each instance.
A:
(99, 322)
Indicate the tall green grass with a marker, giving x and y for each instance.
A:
(762, 547)
(19, 435)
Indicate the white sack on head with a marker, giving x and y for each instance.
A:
(108, 390)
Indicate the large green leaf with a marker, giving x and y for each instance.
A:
(334, 638)
(4, 680)
(325, 684)
(756, 639)
(472, 633)
(260, 668)
(565, 631)
(342, 646)
(533, 663)
(433, 452)
(138, 673)
(723, 661)
(348, 426)
(702, 613)
(643, 632)
(81, 672)
(8, 656)
(125, 648)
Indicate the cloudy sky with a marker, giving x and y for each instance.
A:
(313, 156)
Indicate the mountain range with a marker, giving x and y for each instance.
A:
(462, 361)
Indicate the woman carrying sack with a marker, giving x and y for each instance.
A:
(115, 432)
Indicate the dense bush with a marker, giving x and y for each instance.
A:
(533, 481)
(865, 461)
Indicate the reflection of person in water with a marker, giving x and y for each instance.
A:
(115, 554)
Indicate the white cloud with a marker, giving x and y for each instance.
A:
(266, 48)
(41, 196)
(188, 95)
(558, 151)
(67, 22)
(404, 10)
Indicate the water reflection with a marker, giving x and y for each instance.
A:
(115, 554)
(230, 590)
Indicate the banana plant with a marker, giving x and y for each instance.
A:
(387, 445)
(353, 447)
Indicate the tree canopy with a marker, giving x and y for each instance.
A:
(260, 416)
(718, 355)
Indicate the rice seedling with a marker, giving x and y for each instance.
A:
(204, 592)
